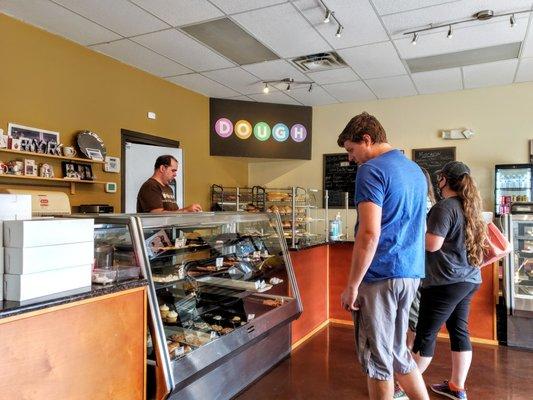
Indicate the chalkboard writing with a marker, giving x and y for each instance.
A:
(433, 160)
(339, 177)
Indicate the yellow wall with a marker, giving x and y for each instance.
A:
(501, 116)
(54, 84)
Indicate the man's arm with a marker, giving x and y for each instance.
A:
(192, 208)
(364, 249)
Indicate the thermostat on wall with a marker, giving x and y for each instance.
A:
(111, 187)
(112, 164)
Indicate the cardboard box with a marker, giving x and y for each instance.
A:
(47, 232)
(31, 286)
(13, 207)
(28, 260)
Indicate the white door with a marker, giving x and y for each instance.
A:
(140, 160)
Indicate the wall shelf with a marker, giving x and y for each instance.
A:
(29, 154)
(71, 182)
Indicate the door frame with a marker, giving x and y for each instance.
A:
(127, 136)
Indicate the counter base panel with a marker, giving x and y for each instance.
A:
(236, 373)
(519, 331)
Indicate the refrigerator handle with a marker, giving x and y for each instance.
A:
(507, 264)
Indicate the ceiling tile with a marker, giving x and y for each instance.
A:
(181, 48)
(464, 38)
(385, 7)
(273, 97)
(359, 20)
(203, 85)
(444, 80)
(443, 13)
(180, 12)
(374, 60)
(527, 48)
(273, 26)
(395, 86)
(241, 98)
(315, 97)
(237, 79)
(525, 70)
(235, 6)
(350, 91)
(131, 53)
(122, 17)
(333, 76)
(278, 69)
(490, 74)
(58, 20)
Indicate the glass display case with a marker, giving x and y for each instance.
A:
(221, 294)
(518, 279)
(302, 213)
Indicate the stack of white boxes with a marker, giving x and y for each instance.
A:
(12, 207)
(47, 256)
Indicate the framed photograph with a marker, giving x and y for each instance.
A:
(112, 164)
(70, 170)
(94, 154)
(85, 172)
(21, 131)
(14, 143)
(30, 168)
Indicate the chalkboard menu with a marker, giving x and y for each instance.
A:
(339, 177)
(433, 160)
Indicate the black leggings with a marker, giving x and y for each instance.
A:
(439, 304)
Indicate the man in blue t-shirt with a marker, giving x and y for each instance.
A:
(388, 257)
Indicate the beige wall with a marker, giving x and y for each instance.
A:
(52, 83)
(501, 116)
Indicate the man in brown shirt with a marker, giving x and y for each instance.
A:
(156, 195)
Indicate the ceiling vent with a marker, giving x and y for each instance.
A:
(319, 62)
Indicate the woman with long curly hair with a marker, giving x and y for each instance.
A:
(455, 243)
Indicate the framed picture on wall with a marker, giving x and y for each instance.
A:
(20, 131)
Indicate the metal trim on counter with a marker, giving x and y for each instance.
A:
(12, 308)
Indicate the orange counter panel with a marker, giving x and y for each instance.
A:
(482, 319)
(310, 267)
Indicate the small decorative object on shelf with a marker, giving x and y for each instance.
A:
(3, 140)
(69, 151)
(30, 168)
(72, 170)
(14, 143)
(3, 168)
(46, 171)
(36, 140)
(15, 167)
(94, 154)
(88, 140)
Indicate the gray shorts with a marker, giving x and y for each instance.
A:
(381, 325)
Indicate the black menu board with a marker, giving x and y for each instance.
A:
(433, 160)
(339, 177)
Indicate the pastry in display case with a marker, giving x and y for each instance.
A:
(237, 198)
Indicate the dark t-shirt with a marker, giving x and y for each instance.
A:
(154, 195)
(449, 264)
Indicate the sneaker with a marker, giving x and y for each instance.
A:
(444, 389)
(399, 394)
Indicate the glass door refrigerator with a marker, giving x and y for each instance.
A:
(518, 276)
(512, 184)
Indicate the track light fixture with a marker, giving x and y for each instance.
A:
(326, 17)
(330, 14)
(483, 15)
(290, 82)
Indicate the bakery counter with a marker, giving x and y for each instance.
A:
(86, 345)
(11, 308)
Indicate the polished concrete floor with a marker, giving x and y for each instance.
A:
(324, 367)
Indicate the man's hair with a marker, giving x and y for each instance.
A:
(360, 125)
(165, 160)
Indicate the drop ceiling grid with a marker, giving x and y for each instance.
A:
(180, 12)
(385, 7)
(395, 86)
(524, 71)
(239, 6)
(283, 30)
(490, 74)
(58, 20)
(440, 81)
(181, 48)
(274, 97)
(237, 79)
(317, 97)
(527, 46)
(137, 56)
(203, 85)
(337, 75)
(126, 18)
(350, 91)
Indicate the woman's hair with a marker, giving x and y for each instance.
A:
(475, 228)
(431, 192)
